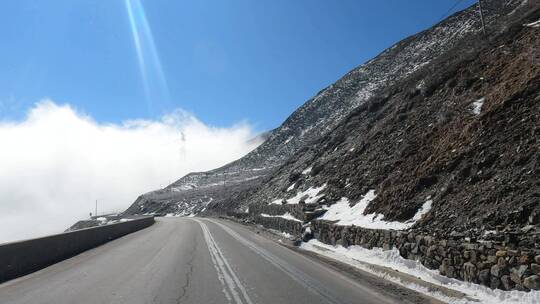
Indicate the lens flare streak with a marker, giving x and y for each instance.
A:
(153, 78)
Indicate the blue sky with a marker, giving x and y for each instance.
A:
(223, 61)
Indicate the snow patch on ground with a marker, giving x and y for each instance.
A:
(357, 255)
(291, 187)
(534, 24)
(477, 106)
(287, 235)
(307, 170)
(346, 215)
(288, 140)
(184, 187)
(106, 221)
(311, 195)
(258, 169)
(277, 201)
(286, 216)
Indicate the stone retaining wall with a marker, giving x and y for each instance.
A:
(279, 223)
(493, 264)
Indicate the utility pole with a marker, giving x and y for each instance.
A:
(96, 208)
(482, 17)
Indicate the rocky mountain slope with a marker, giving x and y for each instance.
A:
(463, 132)
(196, 192)
(442, 165)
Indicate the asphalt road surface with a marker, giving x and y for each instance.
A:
(190, 260)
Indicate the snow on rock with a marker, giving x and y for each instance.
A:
(307, 170)
(310, 195)
(345, 215)
(477, 106)
(286, 216)
(426, 207)
(358, 256)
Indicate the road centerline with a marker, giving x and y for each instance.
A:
(226, 274)
(296, 274)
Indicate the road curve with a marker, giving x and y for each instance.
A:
(189, 260)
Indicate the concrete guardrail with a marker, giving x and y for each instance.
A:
(24, 257)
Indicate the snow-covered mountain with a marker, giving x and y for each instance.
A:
(197, 191)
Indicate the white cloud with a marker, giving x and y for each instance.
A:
(57, 162)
